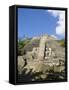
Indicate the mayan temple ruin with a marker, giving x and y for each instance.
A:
(40, 53)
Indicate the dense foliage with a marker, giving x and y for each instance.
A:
(21, 44)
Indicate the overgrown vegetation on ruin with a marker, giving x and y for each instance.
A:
(21, 44)
(62, 42)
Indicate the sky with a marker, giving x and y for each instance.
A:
(36, 22)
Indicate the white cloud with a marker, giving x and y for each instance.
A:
(60, 28)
